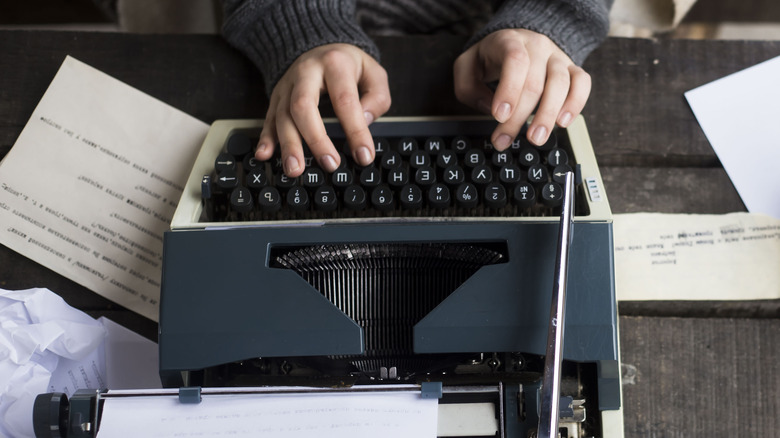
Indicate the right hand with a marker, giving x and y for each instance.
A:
(358, 90)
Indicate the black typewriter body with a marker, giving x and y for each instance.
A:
(405, 291)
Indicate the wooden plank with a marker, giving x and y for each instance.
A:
(754, 11)
(688, 377)
(670, 190)
(647, 122)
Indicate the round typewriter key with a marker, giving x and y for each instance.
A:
(482, 175)
(313, 177)
(559, 173)
(241, 200)
(226, 180)
(284, 182)
(446, 159)
(528, 157)
(342, 178)
(382, 198)
(398, 177)
(495, 196)
(419, 159)
(256, 179)
(370, 176)
(466, 195)
(406, 146)
(269, 200)
(355, 197)
(537, 174)
(552, 194)
(298, 199)
(501, 158)
(524, 195)
(238, 145)
(460, 144)
(224, 162)
(381, 146)
(474, 157)
(556, 157)
(425, 176)
(510, 175)
(434, 145)
(411, 197)
(454, 175)
(439, 196)
(325, 199)
(250, 162)
(390, 160)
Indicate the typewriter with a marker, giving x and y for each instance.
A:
(434, 265)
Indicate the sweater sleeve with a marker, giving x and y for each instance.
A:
(576, 26)
(273, 33)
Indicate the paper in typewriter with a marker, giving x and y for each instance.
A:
(91, 183)
(345, 415)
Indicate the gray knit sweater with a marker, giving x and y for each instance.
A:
(273, 33)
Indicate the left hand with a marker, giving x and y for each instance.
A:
(531, 70)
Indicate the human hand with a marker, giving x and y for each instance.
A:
(531, 69)
(358, 90)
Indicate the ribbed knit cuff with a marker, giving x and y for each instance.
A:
(273, 36)
(576, 26)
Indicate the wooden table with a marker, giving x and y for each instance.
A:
(690, 368)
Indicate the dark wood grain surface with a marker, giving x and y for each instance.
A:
(691, 368)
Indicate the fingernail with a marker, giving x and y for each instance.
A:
(502, 142)
(291, 165)
(328, 163)
(502, 113)
(540, 135)
(363, 156)
(369, 117)
(565, 119)
(260, 149)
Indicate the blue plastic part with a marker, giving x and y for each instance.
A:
(189, 395)
(431, 389)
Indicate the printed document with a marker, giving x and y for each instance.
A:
(733, 256)
(91, 184)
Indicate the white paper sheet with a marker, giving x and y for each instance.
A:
(45, 345)
(739, 115)
(92, 182)
(346, 415)
(696, 257)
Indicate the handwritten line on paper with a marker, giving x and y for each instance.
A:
(109, 166)
(696, 257)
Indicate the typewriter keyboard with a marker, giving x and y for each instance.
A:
(441, 168)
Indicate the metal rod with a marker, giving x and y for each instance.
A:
(549, 410)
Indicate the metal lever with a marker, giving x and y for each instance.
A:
(549, 410)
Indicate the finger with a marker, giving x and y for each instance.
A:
(468, 78)
(514, 72)
(577, 98)
(267, 142)
(341, 84)
(293, 161)
(375, 99)
(306, 115)
(533, 87)
(555, 91)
